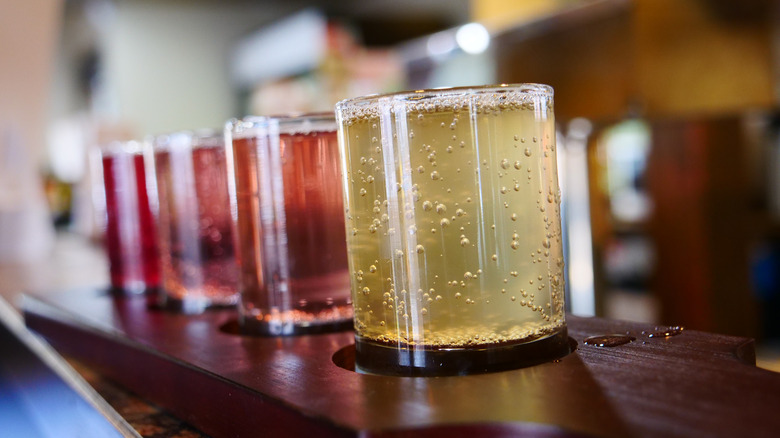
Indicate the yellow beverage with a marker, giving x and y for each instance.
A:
(453, 218)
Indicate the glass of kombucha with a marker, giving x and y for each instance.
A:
(199, 269)
(453, 229)
(288, 215)
(130, 237)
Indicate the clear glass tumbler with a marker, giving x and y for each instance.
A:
(288, 204)
(453, 229)
(199, 268)
(131, 238)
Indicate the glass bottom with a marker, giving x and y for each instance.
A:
(192, 305)
(376, 358)
(250, 326)
(132, 290)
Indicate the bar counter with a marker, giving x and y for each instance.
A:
(226, 384)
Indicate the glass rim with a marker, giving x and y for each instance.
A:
(197, 139)
(291, 123)
(413, 96)
(117, 147)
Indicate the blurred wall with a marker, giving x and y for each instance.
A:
(28, 31)
(166, 62)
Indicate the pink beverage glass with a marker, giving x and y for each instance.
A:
(130, 229)
(195, 226)
(286, 191)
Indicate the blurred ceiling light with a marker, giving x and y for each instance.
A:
(473, 38)
(440, 44)
(580, 128)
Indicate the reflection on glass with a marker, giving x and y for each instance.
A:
(288, 204)
(196, 241)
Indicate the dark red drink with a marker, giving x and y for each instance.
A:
(130, 229)
(196, 241)
(290, 221)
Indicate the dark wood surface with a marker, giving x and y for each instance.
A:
(694, 384)
(147, 419)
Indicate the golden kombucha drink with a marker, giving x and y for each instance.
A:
(290, 225)
(453, 229)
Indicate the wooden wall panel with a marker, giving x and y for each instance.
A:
(702, 56)
(656, 58)
(700, 225)
(587, 60)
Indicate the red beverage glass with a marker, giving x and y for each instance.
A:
(288, 203)
(195, 226)
(130, 228)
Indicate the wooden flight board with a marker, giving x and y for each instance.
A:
(226, 384)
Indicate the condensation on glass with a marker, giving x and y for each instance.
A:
(453, 229)
(288, 215)
(130, 234)
(199, 268)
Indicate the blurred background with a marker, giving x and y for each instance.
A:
(667, 113)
